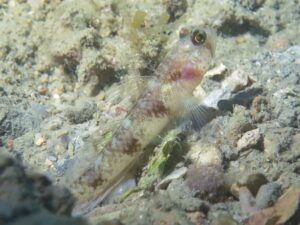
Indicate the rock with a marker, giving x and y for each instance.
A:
(288, 118)
(180, 194)
(238, 124)
(82, 112)
(245, 97)
(224, 219)
(18, 122)
(205, 154)
(31, 198)
(54, 124)
(276, 141)
(44, 218)
(48, 163)
(42, 90)
(217, 73)
(250, 139)
(229, 93)
(176, 8)
(237, 81)
(147, 214)
(293, 154)
(205, 179)
(3, 112)
(285, 209)
(252, 5)
(40, 139)
(174, 175)
(260, 109)
(271, 147)
(254, 182)
(196, 217)
(268, 195)
(229, 152)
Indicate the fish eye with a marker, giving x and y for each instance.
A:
(198, 37)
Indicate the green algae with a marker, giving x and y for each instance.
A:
(129, 193)
(138, 19)
(107, 137)
(167, 155)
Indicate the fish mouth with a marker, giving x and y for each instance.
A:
(211, 40)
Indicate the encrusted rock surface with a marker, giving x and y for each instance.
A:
(31, 198)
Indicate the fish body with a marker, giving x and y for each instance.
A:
(163, 99)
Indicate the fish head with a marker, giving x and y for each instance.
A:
(197, 48)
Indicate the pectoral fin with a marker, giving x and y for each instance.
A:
(200, 115)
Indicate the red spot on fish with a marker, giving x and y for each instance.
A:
(174, 76)
(120, 110)
(132, 145)
(156, 108)
(188, 72)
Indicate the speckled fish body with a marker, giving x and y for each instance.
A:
(163, 99)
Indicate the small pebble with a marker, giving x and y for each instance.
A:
(174, 175)
(44, 79)
(249, 140)
(280, 43)
(268, 195)
(59, 90)
(254, 182)
(236, 81)
(176, 8)
(224, 219)
(240, 40)
(48, 162)
(54, 124)
(40, 140)
(272, 146)
(229, 152)
(205, 154)
(197, 217)
(52, 158)
(71, 149)
(83, 112)
(101, 96)
(60, 149)
(217, 73)
(42, 90)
